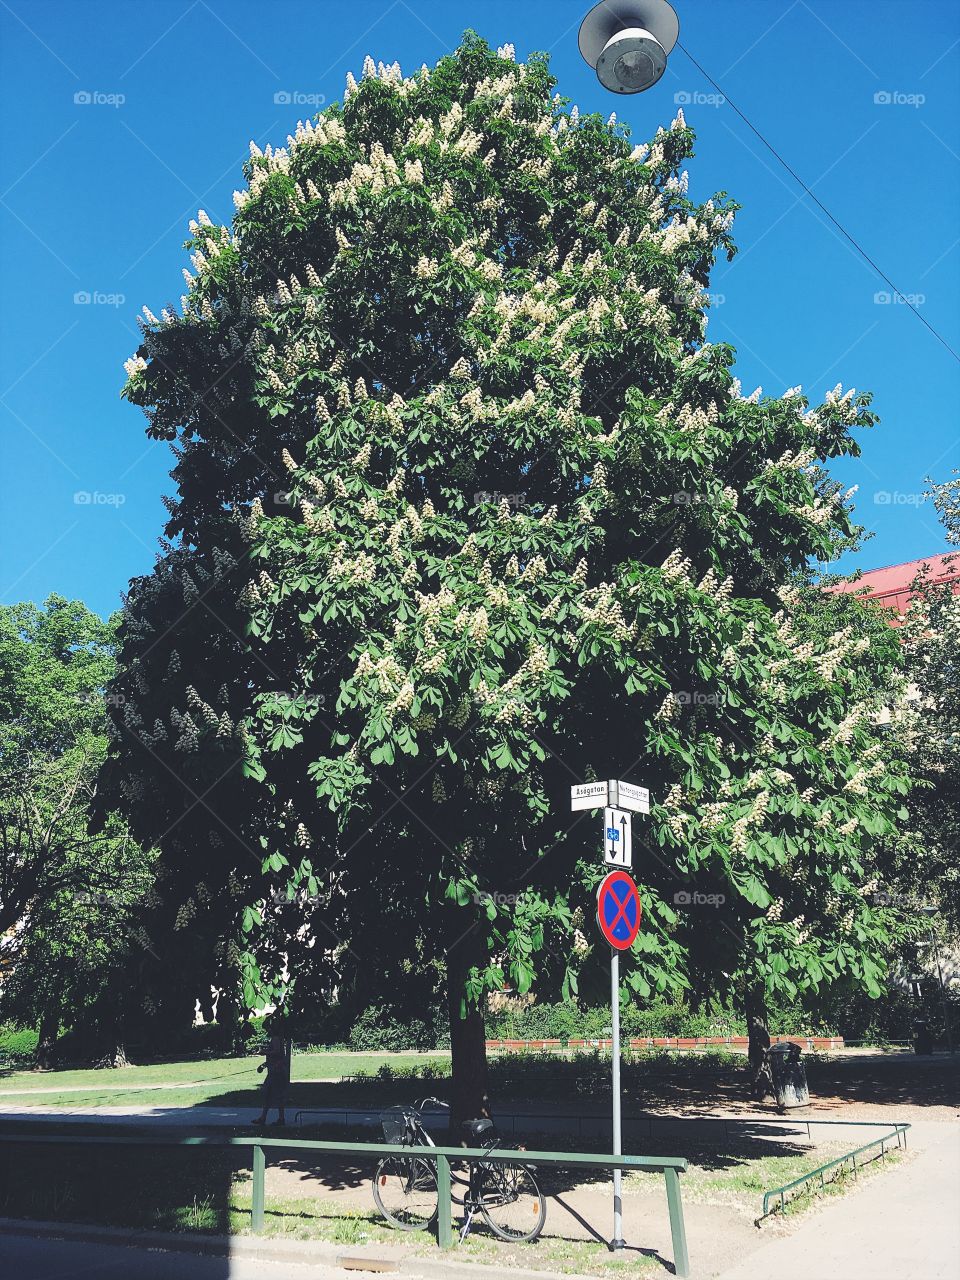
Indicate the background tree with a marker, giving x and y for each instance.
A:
(930, 720)
(65, 895)
(534, 533)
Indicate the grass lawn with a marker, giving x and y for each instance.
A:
(317, 1076)
(223, 1081)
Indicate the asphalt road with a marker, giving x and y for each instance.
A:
(32, 1258)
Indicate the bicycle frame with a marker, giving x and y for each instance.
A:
(471, 1202)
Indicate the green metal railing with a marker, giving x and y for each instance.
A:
(899, 1131)
(670, 1166)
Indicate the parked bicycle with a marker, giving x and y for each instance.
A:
(505, 1193)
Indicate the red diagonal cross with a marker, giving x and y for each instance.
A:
(621, 912)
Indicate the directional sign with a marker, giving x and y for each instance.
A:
(617, 838)
(618, 910)
(588, 795)
(631, 797)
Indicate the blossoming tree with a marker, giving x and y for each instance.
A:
(504, 521)
(930, 722)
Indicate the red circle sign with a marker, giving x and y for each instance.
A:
(618, 910)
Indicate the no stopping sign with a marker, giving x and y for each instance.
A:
(618, 910)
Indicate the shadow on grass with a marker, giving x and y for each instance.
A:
(688, 1083)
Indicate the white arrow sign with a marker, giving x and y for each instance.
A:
(631, 797)
(617, 838)
(588, 795)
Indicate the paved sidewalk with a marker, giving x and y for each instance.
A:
(177, 1117)
(905, 1226)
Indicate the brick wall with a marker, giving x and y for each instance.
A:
(659, 1042)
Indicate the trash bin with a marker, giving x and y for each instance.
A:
(789, 1076)
(922, 1037)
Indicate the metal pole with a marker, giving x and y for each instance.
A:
(678, 1230)
(617, 1242)
(444, 1212)
(257, 1206)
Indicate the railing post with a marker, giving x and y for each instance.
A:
(259, 1167)
(444, 1198)
(678, 1231)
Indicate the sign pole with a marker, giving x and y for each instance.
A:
(618, 1241)
(618, 915)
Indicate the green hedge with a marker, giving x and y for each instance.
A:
(379, 1030)
(16, 1046)
(567, 1022)
(661, 1018)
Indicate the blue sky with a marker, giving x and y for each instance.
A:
(860, 98)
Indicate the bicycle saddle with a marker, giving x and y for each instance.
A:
(476, 1128)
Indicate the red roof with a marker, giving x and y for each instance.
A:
(891, 585)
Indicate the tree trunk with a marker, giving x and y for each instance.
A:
(229, 1017)
(116, 1056)
(48, 1032)
(468, 1048)
(758, 1043)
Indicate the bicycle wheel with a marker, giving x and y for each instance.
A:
(511, 1203)
(405, 1192)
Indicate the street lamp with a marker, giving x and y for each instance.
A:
(930, 912)
(628, 41)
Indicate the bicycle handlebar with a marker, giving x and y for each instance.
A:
(439, 1102)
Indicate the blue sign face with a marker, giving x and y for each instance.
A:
(618, 910)
(613, 834)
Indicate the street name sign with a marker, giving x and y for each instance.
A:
(588, 795)
(619, 795)
(617, 838)
(631, 797)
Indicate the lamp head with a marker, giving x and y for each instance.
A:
(628, 41)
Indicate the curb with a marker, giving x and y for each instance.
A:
(380, 1259)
